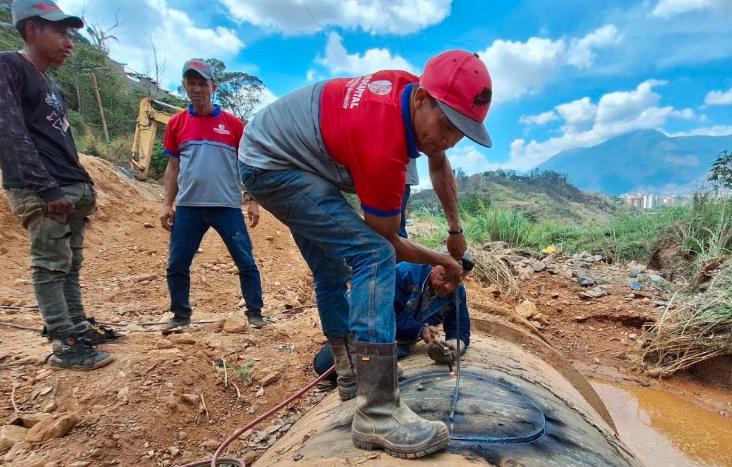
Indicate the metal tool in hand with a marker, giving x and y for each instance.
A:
(456, 300)
(448, 353)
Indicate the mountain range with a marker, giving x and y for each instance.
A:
(645, 161)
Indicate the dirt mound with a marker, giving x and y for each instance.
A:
(166, 401)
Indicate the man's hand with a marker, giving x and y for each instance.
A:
(439, 352)
(453, 269)
(456, 245)
(429, 333)
(167, 218)
(444, 351)
(253, 213)
(59, 209)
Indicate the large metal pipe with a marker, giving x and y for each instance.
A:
(520, 404)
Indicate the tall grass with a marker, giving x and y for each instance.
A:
(703, 230)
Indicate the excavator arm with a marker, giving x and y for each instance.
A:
(145, 131)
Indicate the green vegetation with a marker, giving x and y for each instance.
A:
(119, 95)
(702, 230)
(693, 328)
(539, 196)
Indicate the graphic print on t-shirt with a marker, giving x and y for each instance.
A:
(57, 117)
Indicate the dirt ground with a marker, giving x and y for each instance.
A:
(170, 400)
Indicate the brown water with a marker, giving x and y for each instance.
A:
(664, 430)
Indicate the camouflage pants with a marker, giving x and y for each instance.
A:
(56, 254)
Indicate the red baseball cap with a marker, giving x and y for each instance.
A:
(200, 67)
(460, 82)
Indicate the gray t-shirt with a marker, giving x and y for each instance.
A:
(286, 135)
(412, 174)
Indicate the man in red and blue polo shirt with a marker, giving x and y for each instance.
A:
(202, 179)
(357, 135)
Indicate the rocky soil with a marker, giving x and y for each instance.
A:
(168, 400)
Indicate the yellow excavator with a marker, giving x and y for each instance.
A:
(147, 126)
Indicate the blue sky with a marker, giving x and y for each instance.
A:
(566, 73)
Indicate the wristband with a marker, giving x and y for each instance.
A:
(455, 232)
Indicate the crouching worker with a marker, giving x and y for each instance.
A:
(423, 300)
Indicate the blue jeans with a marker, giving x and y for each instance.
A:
(323, 360)
(338, 246)
(191, 224)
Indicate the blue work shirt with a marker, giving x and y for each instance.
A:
(416, 307)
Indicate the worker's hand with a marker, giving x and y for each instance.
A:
(440, 353)
(452, 343)
(167, 218)
(253, 213)
(429, 333)
(59, 209)
(457, 246)
(453, 269)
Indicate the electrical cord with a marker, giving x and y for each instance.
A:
(215, 460)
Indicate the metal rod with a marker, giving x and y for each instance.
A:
(456, 301)
(164, 104)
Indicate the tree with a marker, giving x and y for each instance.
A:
(237, 92)
(721, 173)
(100, 37)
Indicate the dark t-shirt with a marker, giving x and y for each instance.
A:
(37, 149)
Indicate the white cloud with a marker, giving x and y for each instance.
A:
(520, 68)
(470, 159)
(577, 114)
(669, 8)
(339, 61)
(719, 97)
(313, 75)
(176, 36)
(716, 130)
(373, 16)
(541, 119)
(624, 105)
(587, 124)
(686, 114)
(581, 52)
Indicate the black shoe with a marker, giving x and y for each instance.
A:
(177, 323)
(76, 354)
(95, 334)
(255, 319)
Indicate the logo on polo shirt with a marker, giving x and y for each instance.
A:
(380, 87)
(221, 129)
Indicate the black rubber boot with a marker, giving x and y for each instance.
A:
(73, 353)
(381, 420)
(343, 353)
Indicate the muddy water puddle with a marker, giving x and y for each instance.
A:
(664, 430)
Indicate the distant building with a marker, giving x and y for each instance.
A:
(650, 201)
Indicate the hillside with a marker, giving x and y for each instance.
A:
(641, 161)
(542, 196)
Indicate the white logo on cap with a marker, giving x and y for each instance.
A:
(222, 130)
(380, 87)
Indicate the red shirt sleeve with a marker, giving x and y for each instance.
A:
(170, 143)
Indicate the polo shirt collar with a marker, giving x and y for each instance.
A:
(407, 117)
(216, 111)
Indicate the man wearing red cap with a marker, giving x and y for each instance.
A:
(202, 191)
(358, 135)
